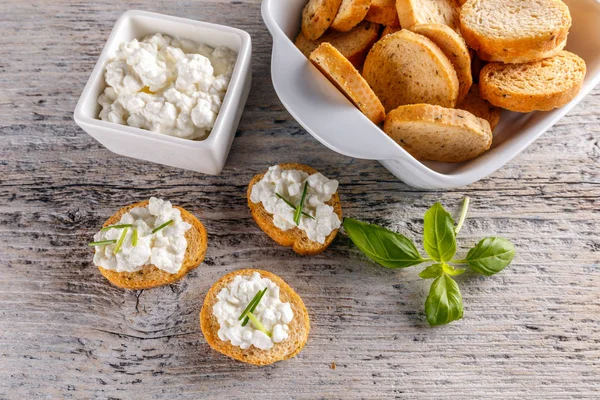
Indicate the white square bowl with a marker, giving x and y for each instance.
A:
(207, 156)
(328, 116)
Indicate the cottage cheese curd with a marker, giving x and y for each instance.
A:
(165, 248)
(271, 312)
(166, 85)
(289, 184)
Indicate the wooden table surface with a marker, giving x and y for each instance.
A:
(532, 331)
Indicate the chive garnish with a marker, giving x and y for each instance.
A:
(289, 203)
(102, 243)
(115, 227)
(169, 222)
(120, 242)
(134, 237)
(298, 212)
(252, 306)
(258, 324)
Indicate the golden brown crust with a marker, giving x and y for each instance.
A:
(317, 16)
(350, 14)
(479, 107)
(295, 238)
(383, 12)
(150, 276)
(299, 326)
(348, 80)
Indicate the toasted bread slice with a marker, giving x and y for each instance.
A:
(515, 31)
(389, 29)
(479, 107)
(414, 12)
(150, 276)
(383, 12)
(407, 68)
(298, 327)
(348, 80)
(295, 238)
(537, 86)
(317, 16)
(455, 48)
(354, 44)
(350, 14)
(437, 133)
(527, 56)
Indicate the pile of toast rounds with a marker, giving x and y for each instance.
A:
(437, 73)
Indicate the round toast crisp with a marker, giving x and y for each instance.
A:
(415, 12)
(389, 29)
(515, 31)
(354, 44)
(407, 68)
(536, 86)
(479, 107)
(350, 14)
(525, 57)
(455, 48)
(295, 238)
(299, 326)
(150, 276)
(436, 133)
(348, 80)
(383, 12)
(317, 16)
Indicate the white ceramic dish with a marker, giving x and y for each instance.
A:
(327, 115)
(207, 156)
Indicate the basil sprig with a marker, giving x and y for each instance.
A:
(392, 250)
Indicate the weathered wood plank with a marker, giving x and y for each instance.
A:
(530, 332)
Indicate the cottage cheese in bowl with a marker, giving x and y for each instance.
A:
(274, 314)
(162, 84)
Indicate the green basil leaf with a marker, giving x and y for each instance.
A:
(432, 272)
(491, 255)
(444, 303)
(450, 270)
(439, 238)
(390, 249)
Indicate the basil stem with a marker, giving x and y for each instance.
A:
(463, 215)
(115, 227)
(120, 242)
(169, 222)
(289, 203)
(298, 212)
(102, 243)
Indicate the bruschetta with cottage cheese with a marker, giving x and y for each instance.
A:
(149, 244)
(296, 206)
(255, 317)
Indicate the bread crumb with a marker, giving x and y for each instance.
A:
(332, 366)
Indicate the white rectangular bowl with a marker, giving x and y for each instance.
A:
(207, 156)
(328, 116)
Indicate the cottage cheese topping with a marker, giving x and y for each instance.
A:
(289, 184)
(167, 85)
(271, 312)
(165, 248)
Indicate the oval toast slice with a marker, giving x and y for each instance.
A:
(515, 31)
(299, 327)
(536, 86)
(317, 16)
(455, 48)
(438, 134)
(348, 80)
(354, 44)
(150, 276)
(407, 68)
(295, 238)
(350, 14)
(480, 108)
(414, 12)
(383, 12)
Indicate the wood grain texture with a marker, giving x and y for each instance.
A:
(532, 331)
